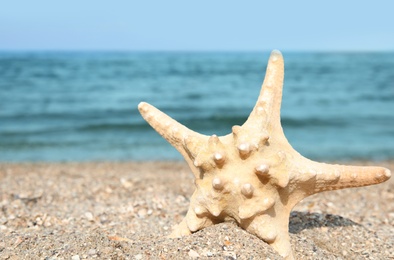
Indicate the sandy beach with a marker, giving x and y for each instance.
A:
(124, 210)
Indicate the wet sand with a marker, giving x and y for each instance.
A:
(124, 210)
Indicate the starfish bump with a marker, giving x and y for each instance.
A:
(253, 175)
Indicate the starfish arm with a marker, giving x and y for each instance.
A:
(273, 230)
(191, 223)
(267, 108)
(180, 230)
(196, 219)
(319, 177)
(175, 133)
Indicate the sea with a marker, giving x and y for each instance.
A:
(82, 106)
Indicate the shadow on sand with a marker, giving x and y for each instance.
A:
(305, 220)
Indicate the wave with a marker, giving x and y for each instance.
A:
(88, 101)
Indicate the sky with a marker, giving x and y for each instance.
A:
(204, 25)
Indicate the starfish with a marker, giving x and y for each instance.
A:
(253, 176)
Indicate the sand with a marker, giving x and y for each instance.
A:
(124, 210)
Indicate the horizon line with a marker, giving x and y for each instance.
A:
(197, 50)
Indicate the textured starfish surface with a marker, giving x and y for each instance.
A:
(253, 176)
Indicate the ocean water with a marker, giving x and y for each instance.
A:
(82, 106)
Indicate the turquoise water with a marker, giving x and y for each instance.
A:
(83, 106)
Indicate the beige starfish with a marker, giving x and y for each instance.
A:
(253, 175)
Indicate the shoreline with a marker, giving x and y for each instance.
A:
(124, 210)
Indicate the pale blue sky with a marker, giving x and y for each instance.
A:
(334, 25)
